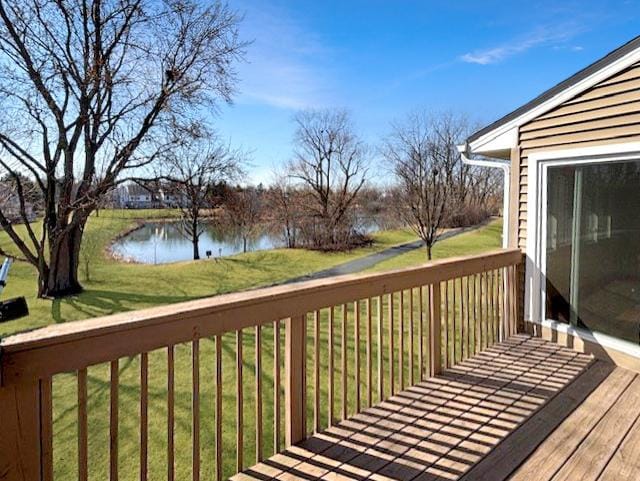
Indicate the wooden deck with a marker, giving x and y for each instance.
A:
(525, 409)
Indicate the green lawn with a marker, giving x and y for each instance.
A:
(475, 242)
(118, 287)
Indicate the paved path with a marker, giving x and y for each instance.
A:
(371, 260)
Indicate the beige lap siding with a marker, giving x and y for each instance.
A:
(608, 113)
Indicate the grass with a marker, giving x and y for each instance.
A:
(118, 287)
(474, 242)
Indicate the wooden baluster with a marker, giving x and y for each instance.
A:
(369, 358)
(482, 295)
(470, 331)
(316, 371)
(295, 411)
(356, 341)
(380, 352)
(496, 307)
(435, 339)
(195, 409)
(218, 431)
(463, 327)
(420, 335)
(46, 427)
(330, 365)
(500, 305)
(114, 387)
(446, 324)
(491, 306)
(276, 387)
(454, 324)
(401, 341)
(473, 294)
(514, 307)
(239, 405)
(258, 380)
(392, 386)
(487, 300)
(144, 416)
(411, 338)
(171, 413)
(83, 468)
(344, 361)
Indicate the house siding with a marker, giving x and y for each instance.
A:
(608, 113)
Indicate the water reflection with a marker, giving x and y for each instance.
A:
(163, 242)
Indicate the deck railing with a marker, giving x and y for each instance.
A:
(204, 389)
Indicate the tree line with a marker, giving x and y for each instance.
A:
(96, 93)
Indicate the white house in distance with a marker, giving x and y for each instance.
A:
(573, 201)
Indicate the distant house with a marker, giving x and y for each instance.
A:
(136, 196)
(572, 195)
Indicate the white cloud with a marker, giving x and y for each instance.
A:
(288, 66)
(543, 36)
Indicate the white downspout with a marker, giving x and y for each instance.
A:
(506, 169)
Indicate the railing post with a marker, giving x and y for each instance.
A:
(435, 336)
(295, 379)
(20, 428)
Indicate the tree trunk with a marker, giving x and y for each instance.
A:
(429, 246)
(61, 278)
(195, 235)
(244, 245)
(196, 249)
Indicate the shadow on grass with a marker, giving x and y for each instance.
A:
(93, 303)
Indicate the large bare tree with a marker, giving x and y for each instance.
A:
(421, 152)
(92, 90)
(192, 173)
(330, 164)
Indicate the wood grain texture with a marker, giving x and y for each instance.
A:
(20, 427)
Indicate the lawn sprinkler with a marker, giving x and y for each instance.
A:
(11, 308)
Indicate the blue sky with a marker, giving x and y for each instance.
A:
(380, 59)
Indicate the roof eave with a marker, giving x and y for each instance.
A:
(500, 131)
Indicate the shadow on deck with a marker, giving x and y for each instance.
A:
(524, 409)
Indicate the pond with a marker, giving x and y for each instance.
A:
(163, 242)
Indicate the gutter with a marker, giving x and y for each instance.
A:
(505, 166)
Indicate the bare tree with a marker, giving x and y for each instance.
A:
(422, 157)
(285, 208)
(243, 211)
(92, 90)
(192, 173)
(330, 164)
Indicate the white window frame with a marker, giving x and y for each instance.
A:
(535, 295)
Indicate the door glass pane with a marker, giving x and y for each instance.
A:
(593, 247)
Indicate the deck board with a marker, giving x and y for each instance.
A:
(437, 429)
(524, 409)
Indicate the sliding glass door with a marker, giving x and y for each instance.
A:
(593, 247)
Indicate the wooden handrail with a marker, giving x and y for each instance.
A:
(74, 345)
(483, 312)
